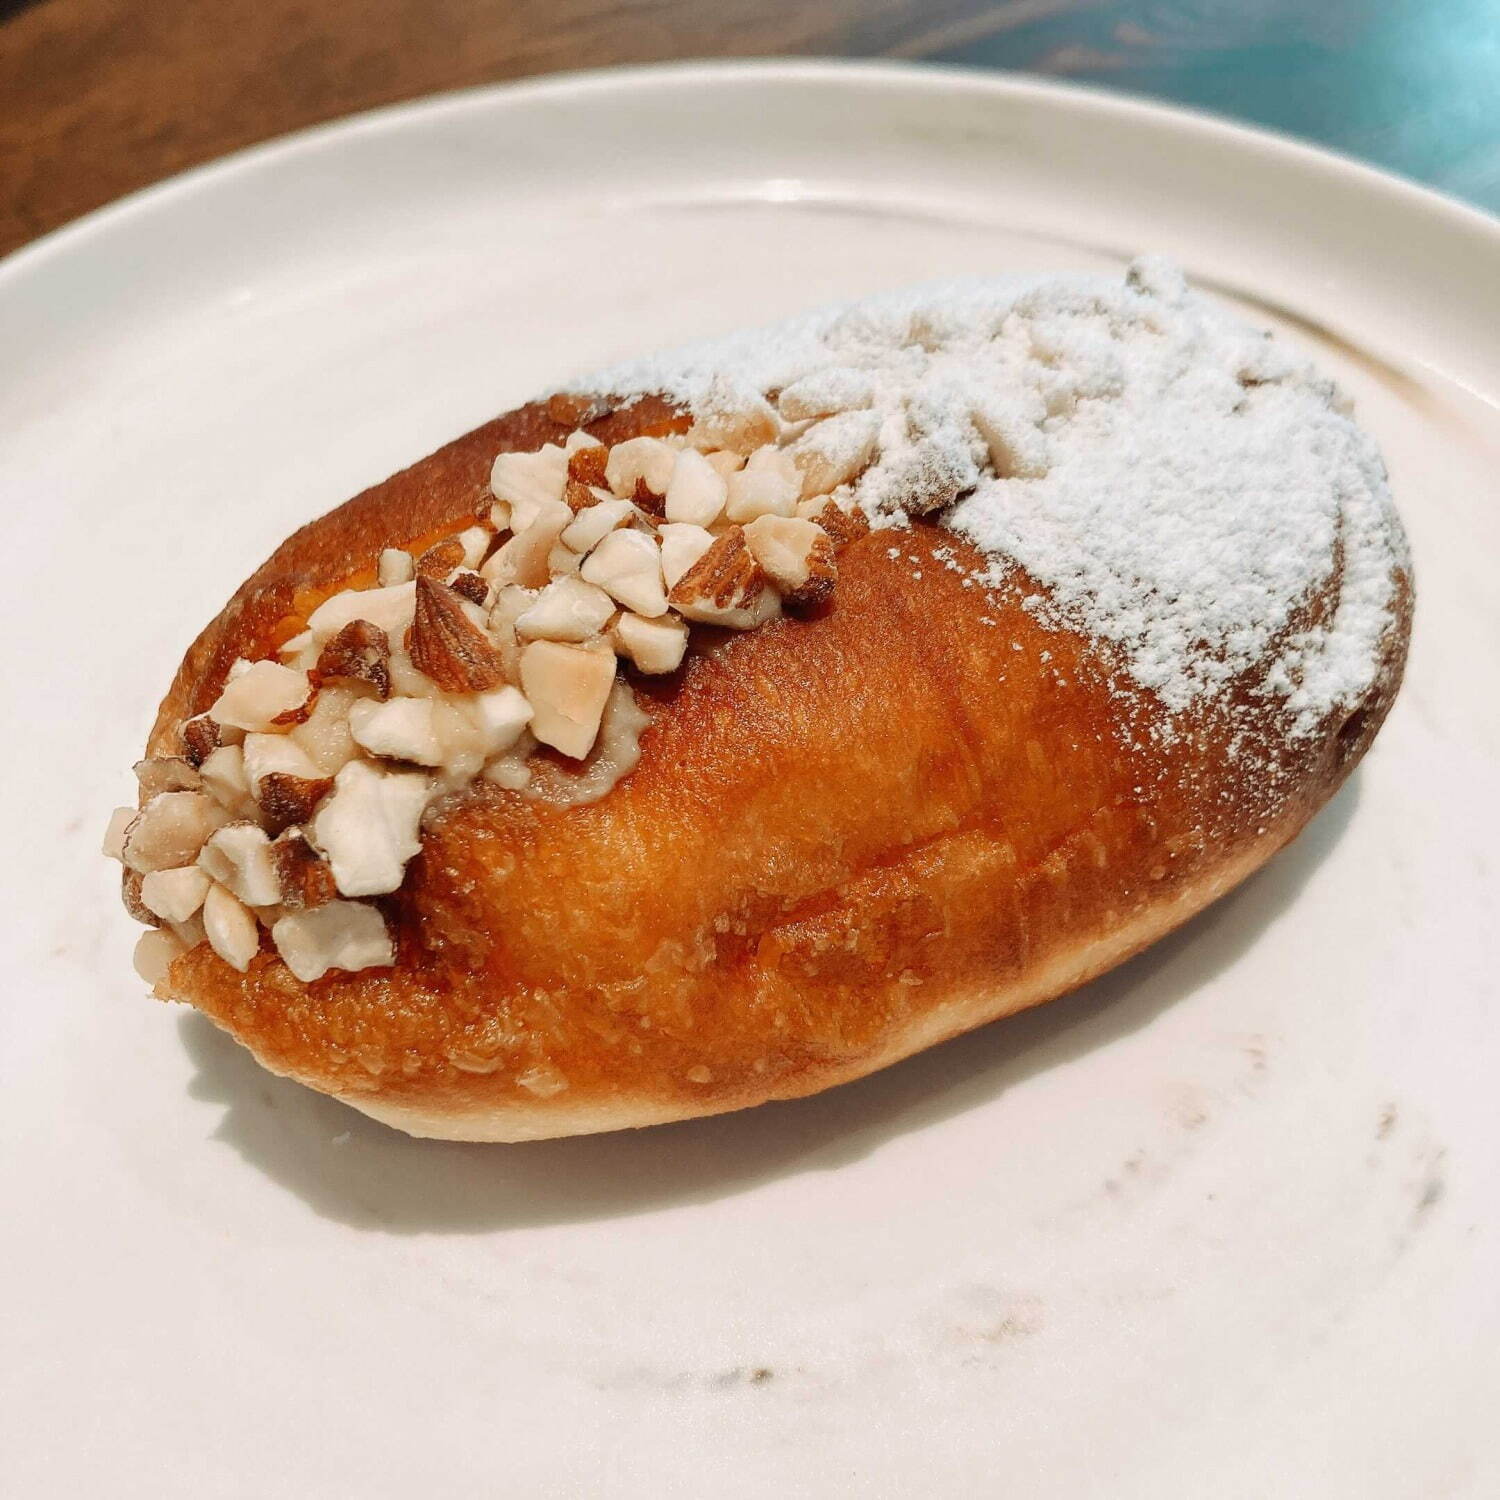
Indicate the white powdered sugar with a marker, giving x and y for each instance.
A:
(1178, 484)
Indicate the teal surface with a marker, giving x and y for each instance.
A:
(1411, 85)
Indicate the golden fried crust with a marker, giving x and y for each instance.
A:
(849, 836)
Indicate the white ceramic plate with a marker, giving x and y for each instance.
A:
(1221, 1225)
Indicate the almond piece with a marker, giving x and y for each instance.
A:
(525, 481)
(170, 830)
(440, 559)
(501, 717)
(200, 738)
(305, 877)
(285, 800)
(725, 586)
(770, 484)
(166, 773)
(239, 858)
(114, 835)
(132, 884)
(697, 492)
(225, 780)
(563, 561)
(402, 729)
(475, 540)
(361, 651)
(627, 566)
(470, 586)
(835, 451)
(265, 754)
(637, 459)
(325, 739)
(729, 416)
(155, 953)
(263, 695)
(395, 566)
(586, 466)
(567, 687)
(652, 645)
(682, 544)
(568, 609)
(577, 411)
(595, 522)
(368, 828)
(175, 895)
(723, 462)
(230, 928)
(797, 556)
(577, 439)
(523, 559)
(843, 526)
(447, 646)
(825, 394)
(389, 608)
(336, 935)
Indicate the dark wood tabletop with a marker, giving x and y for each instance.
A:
(99, 97)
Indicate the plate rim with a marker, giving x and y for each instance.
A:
(1284, 150)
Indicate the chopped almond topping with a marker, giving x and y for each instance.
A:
(132, 888)
(525, 481)
(682, 544)
(577, 411)
(200, 738)
(568, 609)
(175, 895)
(835, 451)
(448, 646)
(440, 559)
(333, 935)
(239, 857)
(730, 417)
(226, 780)
(586, 466)
(395, 566)
(769, 485)
(169, 831)
(166, 773)
(725, 586)
(155, 953)
(361, 651)
(389, 608)
(642, 458)
(567, 687)
(843, 526)
(285, 800)
(402, 729)
(523, 559)
(797, 557)
(475, 541)
(652, 645)
(230, 928)
(627, 566)
(305, 877)
(469, 586)
(595, 522)
(260, 696)
(368, 827)
(284, 809)
(265, 754)
(501, 718)
(114, 835)
(697, 492)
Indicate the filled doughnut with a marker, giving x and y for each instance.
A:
(733, 723)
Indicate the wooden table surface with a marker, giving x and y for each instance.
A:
(98, 97)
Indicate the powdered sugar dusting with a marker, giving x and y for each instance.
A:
(1179, 485)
